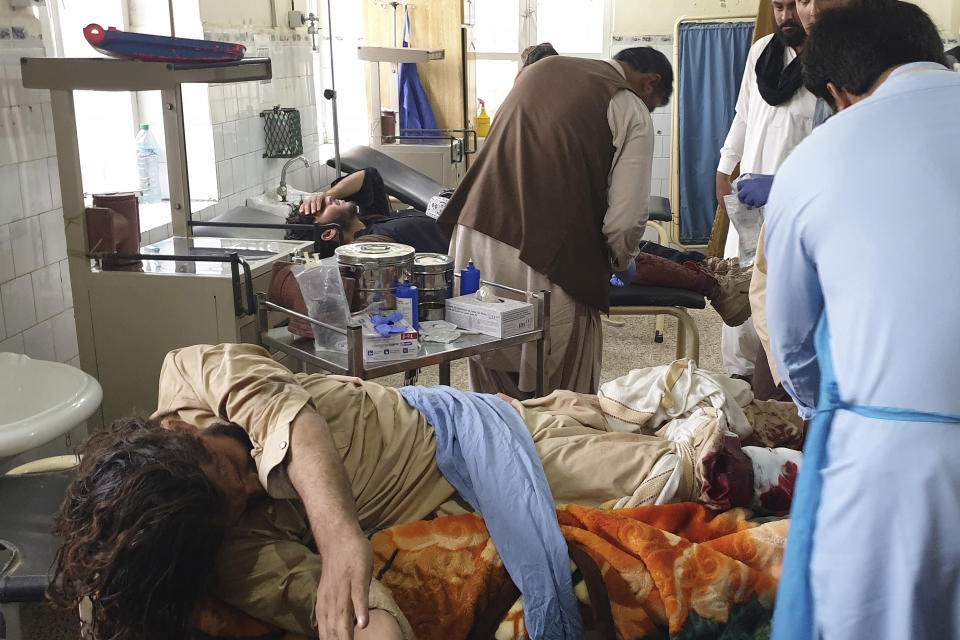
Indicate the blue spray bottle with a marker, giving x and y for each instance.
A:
(469, 279)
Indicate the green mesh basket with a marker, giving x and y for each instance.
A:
(281, 128)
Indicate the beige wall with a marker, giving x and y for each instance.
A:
(646, 17)
(22, 18)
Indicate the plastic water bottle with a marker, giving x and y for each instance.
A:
(148, 165)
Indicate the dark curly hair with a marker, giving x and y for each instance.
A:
(140, 527)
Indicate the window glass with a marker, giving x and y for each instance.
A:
(497, 27)
(494, 81)
(105, 123)
(571, 26)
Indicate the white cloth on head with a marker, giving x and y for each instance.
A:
(643, 400)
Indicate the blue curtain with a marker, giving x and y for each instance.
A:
(712, 57)
(415, 110)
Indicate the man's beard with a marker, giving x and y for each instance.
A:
(795, 38)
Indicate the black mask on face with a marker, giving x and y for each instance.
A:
(796, 35)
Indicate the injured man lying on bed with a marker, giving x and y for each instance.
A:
(289, 469)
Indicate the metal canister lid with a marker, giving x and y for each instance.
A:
(432, 263)
(374, 253)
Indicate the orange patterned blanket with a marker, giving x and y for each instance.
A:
(678, 569)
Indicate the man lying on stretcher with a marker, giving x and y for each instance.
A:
(358, 203)
(248, 512)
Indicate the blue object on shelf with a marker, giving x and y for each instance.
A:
(151, 48)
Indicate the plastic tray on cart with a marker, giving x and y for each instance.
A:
(151, 48)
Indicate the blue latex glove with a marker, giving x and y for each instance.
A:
(625, 277)
(755, 190)
(385, 325)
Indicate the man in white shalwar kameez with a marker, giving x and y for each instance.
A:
(863, 325)
(774, 113)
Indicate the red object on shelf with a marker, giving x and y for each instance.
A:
(151, 48)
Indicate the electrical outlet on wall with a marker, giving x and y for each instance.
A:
(295, 19)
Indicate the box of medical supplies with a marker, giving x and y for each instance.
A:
(501, 319)
(394, 346)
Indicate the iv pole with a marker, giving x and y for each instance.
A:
(331, 95)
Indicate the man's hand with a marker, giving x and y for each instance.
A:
(625, 277)
(313, 204)
(755, 190)
(723, 188)
(342, 597)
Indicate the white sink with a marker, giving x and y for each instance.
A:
(40, 401)
(271, 203)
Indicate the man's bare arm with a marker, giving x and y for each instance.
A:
(317, 473)
(340, 191)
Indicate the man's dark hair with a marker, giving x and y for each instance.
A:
(344, 218)
(539, 52)
(140, 528)
(851, 46)
(231, 430)
(649, 60)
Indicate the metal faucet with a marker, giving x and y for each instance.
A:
(282, 189)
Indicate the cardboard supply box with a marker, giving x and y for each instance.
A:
(396, 346)
(503, 319)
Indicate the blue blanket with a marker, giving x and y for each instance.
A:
(485, 451)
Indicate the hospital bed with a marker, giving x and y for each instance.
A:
(27, 549)
(26, 545)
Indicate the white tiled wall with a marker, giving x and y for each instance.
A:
(238, 135)
(660, 179)
(36, 307)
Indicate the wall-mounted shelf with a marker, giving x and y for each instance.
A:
(106, 74)
(398, 55)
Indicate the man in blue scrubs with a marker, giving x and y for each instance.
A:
(863, 225)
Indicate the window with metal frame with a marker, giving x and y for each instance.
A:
(502, 29)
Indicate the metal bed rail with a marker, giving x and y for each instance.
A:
(316, 229)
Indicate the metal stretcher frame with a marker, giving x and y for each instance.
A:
(351, 362)
(688, 337)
